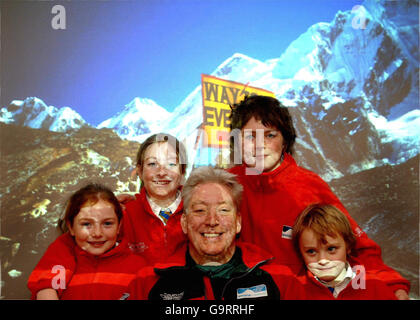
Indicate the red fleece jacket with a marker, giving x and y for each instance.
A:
(143, 233)
(304, 286)
(146, 233)
(273, 200)
(252, 257)
(87, 277)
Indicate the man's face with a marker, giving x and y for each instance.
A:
(211, 223)
(262, 146)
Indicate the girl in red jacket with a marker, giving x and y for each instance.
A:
(277, 190)
(151, 226)
(101, 267)
(324, 239)
(152, 220)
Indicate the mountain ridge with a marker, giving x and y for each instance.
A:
(360, 83)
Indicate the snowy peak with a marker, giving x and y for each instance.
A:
(355, 77)
(139, 117)
(305, 58)
(240, 66)
(33, 112)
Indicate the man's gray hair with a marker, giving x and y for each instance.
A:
(209, 174)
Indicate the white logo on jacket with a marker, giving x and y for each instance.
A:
(286, 232)
(172, 296)
(252, 292)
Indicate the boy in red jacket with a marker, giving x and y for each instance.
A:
(324, 238)
(277, 190)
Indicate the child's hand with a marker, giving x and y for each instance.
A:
(402, 295)
(124, 198)
(47, 294)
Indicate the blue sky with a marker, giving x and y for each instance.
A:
(114, 51)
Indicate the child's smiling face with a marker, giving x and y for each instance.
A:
(161, 172)
(95, 228)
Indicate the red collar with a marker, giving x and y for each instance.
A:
(265, 180)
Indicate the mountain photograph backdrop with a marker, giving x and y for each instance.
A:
(351, 85)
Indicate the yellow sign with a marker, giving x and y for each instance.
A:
(218, 95)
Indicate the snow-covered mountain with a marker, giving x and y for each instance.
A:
(355, 79)
(355, 83)
(137, 119)
(353, 92)
(33, 112)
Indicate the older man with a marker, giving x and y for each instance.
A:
(213, 267)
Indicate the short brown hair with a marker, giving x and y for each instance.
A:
(324, 219)
(271, 113)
